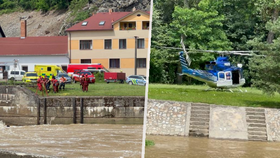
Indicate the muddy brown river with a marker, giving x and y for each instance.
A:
(80, 140)
(195, 147)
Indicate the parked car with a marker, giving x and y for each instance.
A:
(30, 77)
(65, 75)
(78, 75)
(136, 80)
(16, 74)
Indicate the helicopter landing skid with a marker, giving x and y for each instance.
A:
(222, 89)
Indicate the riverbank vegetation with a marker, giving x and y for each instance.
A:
(250, 97)
(149, 143)
(248, 25)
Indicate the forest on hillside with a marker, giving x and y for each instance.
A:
(75, 6)
(44, 5)
(217, 25)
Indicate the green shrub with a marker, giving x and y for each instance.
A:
(149, 143)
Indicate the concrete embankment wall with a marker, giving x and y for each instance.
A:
(213, 121)
(22, 109)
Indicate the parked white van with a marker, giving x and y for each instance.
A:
(16, 74)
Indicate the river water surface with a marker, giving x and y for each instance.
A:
(80, 140)
(196, 147)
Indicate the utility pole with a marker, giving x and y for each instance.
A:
(135, 59)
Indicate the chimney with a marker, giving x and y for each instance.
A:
(110, 11)
(133, 9)
(23, 30)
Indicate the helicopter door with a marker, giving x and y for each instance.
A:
(224, 79)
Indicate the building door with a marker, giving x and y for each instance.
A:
(5, 75)
(25, 68)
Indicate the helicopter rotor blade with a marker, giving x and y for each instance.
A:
(191, 51)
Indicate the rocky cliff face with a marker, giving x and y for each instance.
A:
(122, 5)
(54, 23)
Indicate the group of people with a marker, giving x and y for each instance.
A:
(45, 82)
(85, 82)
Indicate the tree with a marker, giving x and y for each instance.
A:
(202, 28)
(265, 69)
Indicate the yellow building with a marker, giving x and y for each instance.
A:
(110, 38)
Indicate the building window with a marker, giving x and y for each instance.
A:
(140, 43)
(114, 63)
(127, 25)
(86, 61)
(108, 44)
(141, 63)
(85, 44)
(145, 25)
(25, 68)
(122, 44)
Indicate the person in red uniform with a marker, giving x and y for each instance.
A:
(82, 81)
(55, 84)
(39, 83)
(86, 82)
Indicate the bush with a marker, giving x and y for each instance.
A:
(149, 143)
(99, 77)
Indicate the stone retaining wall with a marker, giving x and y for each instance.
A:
(273, 124)
(167, 118)
(23, 109)
(225, 122)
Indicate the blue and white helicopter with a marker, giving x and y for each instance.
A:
(219, 74)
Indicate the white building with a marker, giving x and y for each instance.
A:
(25, 52)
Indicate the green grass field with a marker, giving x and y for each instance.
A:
(190, 93)
(99, 89)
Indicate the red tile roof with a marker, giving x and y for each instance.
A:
(94, 20)
(44, 45)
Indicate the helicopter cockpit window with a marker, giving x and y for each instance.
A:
(221, 75)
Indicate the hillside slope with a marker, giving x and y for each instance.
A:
(54, 23)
